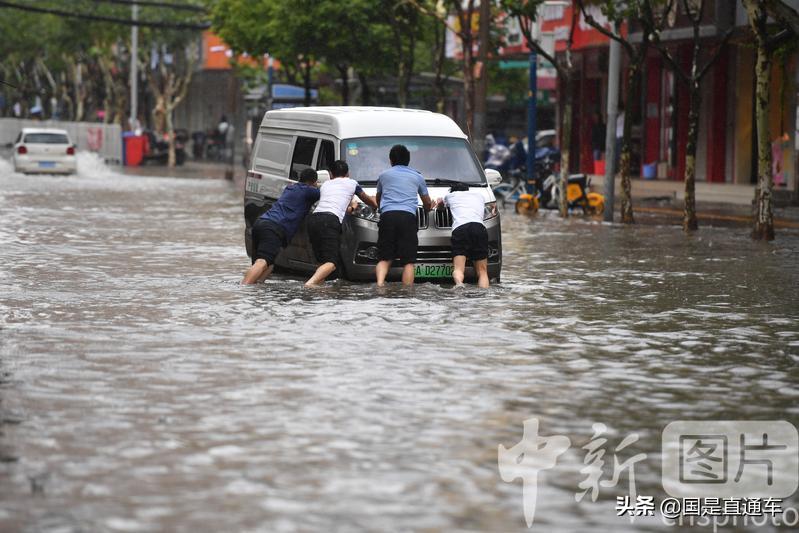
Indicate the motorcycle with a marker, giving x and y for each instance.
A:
(577, 195)
(522, 191)
(543, 191)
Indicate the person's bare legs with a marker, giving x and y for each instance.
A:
(381, 272)
(458, 267)
(266, 274)
(481, 268)
(321, 274)
(255, 273)
(407, 274)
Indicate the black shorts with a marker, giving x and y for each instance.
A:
(267, 240)
(396, 237)
(324, 231)
(470, 240)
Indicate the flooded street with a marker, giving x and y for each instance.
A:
(143, 389)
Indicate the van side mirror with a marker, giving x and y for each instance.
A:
(322, 176)
(493, 177)
(9, 145)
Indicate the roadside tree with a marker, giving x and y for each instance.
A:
(526, 13)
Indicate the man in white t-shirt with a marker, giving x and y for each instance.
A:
(469, 236)
(324, 225)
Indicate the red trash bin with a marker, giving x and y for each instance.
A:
(134, 150)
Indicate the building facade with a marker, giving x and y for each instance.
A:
(727, 147)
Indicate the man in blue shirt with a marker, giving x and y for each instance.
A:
(397, 190)
(277, 226)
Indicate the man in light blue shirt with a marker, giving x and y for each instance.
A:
(397, 190)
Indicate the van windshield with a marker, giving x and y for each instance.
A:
(435, 157)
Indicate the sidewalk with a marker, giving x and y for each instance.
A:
(190, 169)
(716, 203)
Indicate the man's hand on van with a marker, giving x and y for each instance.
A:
(368, 200)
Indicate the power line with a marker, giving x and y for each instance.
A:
(150, 3)
(113, 20)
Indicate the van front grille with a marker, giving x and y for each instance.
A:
(434, 254)
(443, 218)
(422, 218)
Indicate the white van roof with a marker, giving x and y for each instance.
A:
(354, 121)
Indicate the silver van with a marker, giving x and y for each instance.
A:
(290, 140)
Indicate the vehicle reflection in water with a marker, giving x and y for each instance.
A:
(141, 388)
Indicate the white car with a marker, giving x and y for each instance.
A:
(44, 150)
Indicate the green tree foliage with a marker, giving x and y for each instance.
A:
(77, 66)
(302, 34)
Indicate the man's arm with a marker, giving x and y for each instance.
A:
(427, 203)
(368, 200)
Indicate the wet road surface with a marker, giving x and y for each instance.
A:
(143, 389)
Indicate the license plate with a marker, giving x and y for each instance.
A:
(433, 271)
(252, 185)
(46, 164)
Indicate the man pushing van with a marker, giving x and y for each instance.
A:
(324, 225)
(275, 229)
(397, 238)
(469, 236)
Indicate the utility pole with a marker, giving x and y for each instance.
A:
(614, 69)
(481, 89)
(531, 115)
(134, 63)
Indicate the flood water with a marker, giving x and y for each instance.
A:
(143, 389)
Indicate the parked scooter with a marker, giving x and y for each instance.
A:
(544, 191)
(524, 192)
(158, 152)
(577, 195)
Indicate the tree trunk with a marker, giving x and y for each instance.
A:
(366, 92)
(80, 90)
(170, 131)
(306, 79)
(764, 218)
(343, 72)
(632, 84)
(565, 144)
(689, 222)
(402, 89)
(468, 88)
(439, 57)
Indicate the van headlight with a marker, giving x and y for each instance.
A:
(490, 210)
(365, 212)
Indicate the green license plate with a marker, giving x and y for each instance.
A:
(433, 271)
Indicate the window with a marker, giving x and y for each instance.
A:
(303, 156)
(327, 154)
(46, 138)
(272, 155)
(434, 157)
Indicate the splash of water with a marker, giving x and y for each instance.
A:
(91, 165)
(6, 167)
